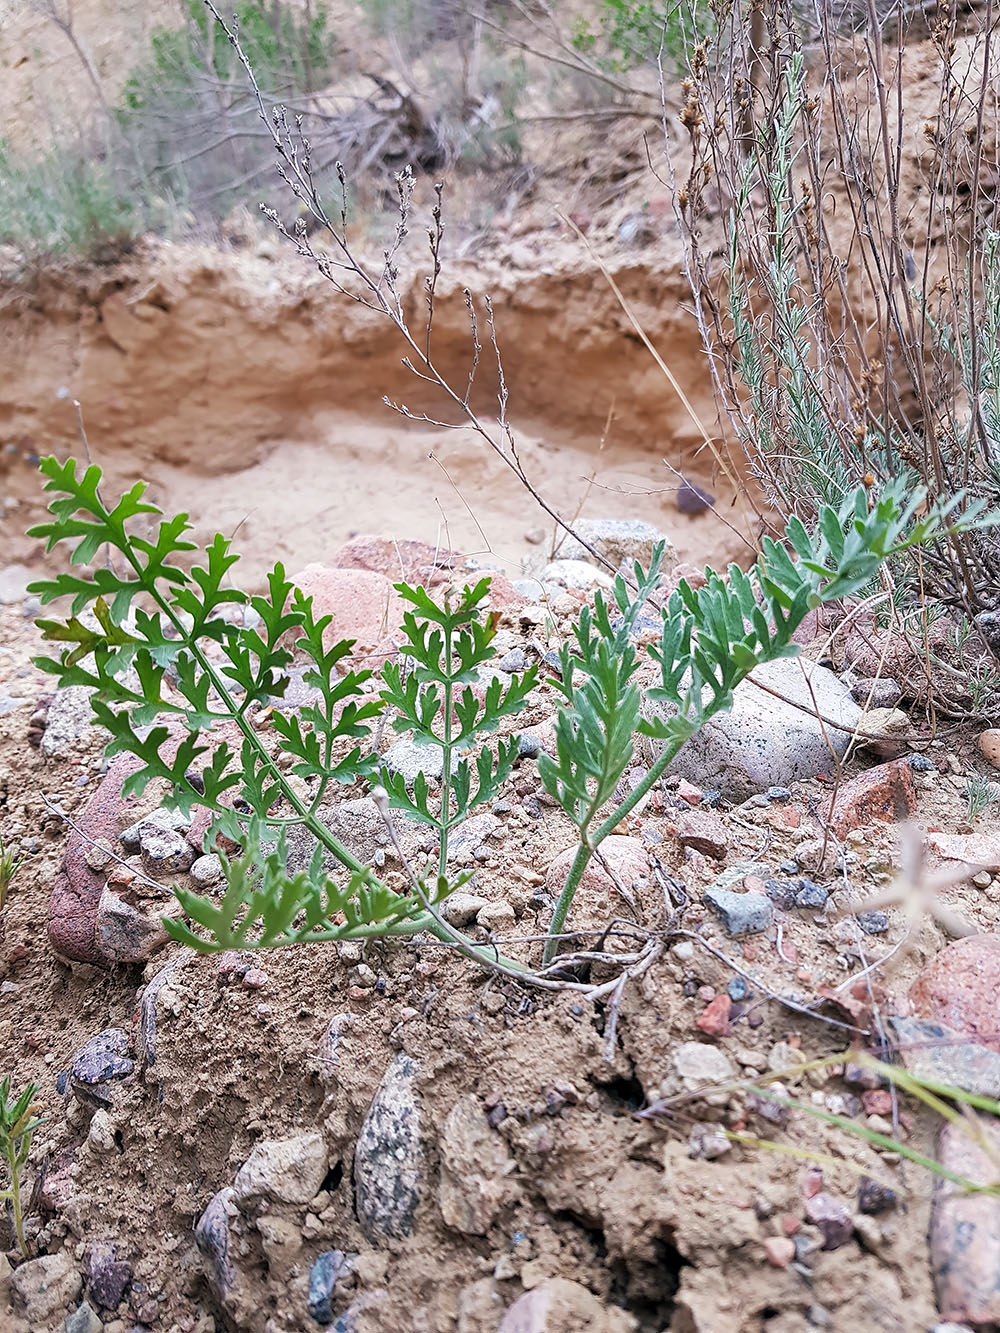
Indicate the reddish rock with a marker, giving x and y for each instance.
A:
(959, 988)
(977, 849)
(877, 1101)
(503, 595)
(780, 1251)
(77, 890)
(965, 1230)
(398, 560)
(364, 605)
(886, 792)
(715, 1018)
(687, 791)
(560, 1306)
(705, 832)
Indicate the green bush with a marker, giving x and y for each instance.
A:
(628, 34)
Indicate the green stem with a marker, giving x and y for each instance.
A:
(14, 1194)
(580, 862)
(446, 752)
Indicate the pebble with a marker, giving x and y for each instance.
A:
(778, 794)
(166, 852)
(874, 1198)
(206, 870)
(696, 1065)
(832, 1218)
(885, 793)
(288, 1170)
(528, 746)
(101, 1134)
(714, 1019)
(779, 1250)
(514, 661)
(108, 1276)
(45, 1286)
(212, 1237)
(965, 1229)
(160, 820)
(738, 989)
(876, 692)
(388, 1157)
(989, 745)
(461, 909)
(708, 1141)
(704, 832)
(692, 499)
(84, 1319)
(941, 1054)
(407, 758)
(557, 1305)
(873, 923)
(782, 892)
(811, 895)
(474, 1168)
(496, 917)
(615, 540)
(129, 932)
(68, 721)
(741, 913)
(323, 1278)
(102, 1060)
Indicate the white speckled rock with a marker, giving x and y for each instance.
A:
(616, 539)
(763, 741)
(388, 1159)
(577, 574)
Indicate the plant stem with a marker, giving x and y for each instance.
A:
(580, 862)
(14, 1194)
(446, 749)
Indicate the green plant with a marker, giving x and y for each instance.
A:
(979, 794)
(634, 32)
(9, 866)
(17, 1124)
(68, 203)
(163, 619)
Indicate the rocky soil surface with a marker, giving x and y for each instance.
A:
(383, 1138)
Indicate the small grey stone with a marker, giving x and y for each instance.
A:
(811, 895)
(474, 1166)
(8, 704)
(388, 1158)
(692, 499)
(323, 1277)
(921, 764)
(741, 913)
(130, 929)
(530, 588)
(940, 1054)
(577, 574)
(832, 1218)
(84, 1319)
(778, 794)
(211, 1235)
(782, 892)
(876, 692)
(206, 869)
(166, 852)
(102, 1060)
(160, 820)
(528, 746)
(515, 660)
(873, 923)
(407, 758)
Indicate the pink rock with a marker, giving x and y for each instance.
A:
(687, 791)
(959, 988)
(886, 792)
(560, 1306)
(705, 832)
(715, 1018)
(626, 856)
(364, 605)
(780, 1251)
(400, 561)
(977, 849)
(73, 906)
(965, 1230)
